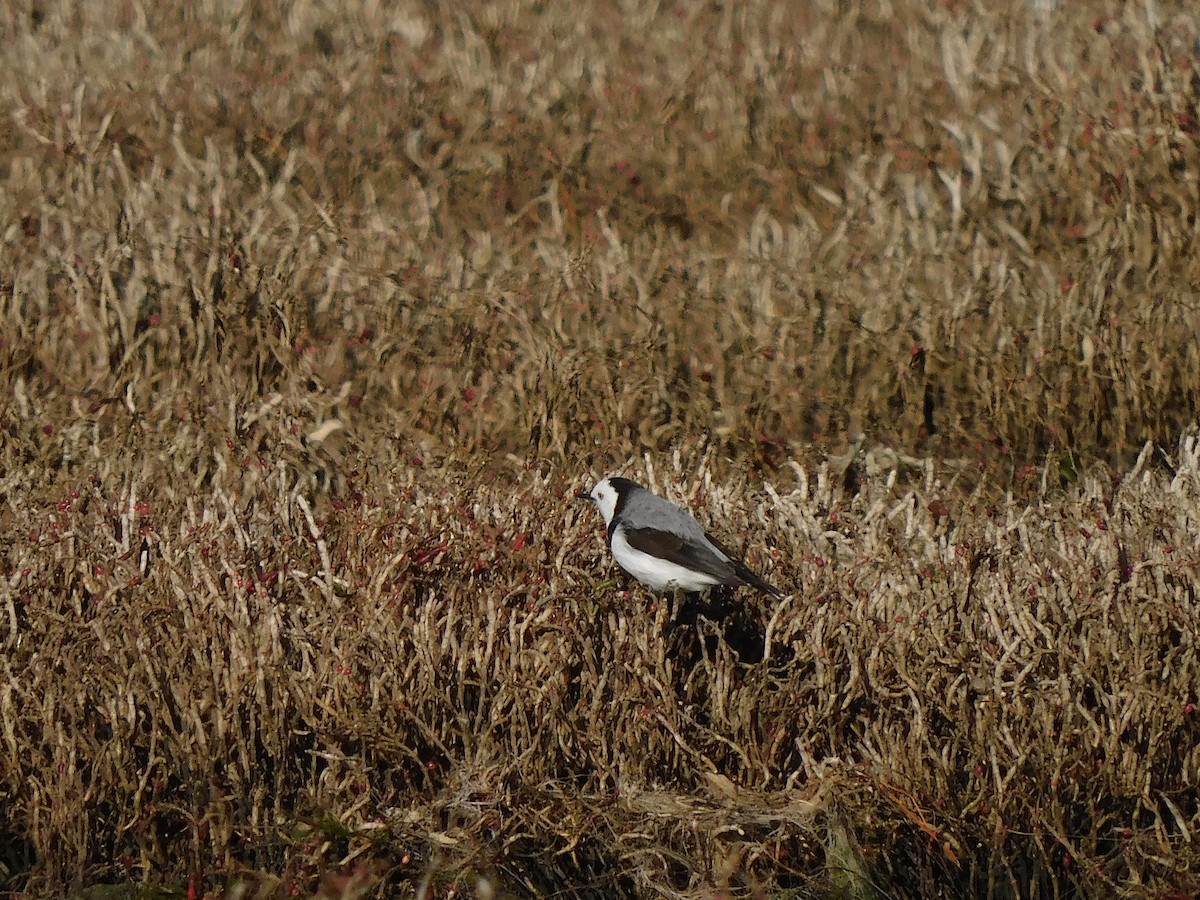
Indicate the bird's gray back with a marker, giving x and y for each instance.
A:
(646, 510)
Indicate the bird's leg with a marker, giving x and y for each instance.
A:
(678, 600)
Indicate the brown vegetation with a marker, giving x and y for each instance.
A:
(311, 320)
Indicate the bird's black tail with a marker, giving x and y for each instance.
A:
(749, 578)
(742, 572)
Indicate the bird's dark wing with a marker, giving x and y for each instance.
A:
(742, 572)
(682, 552)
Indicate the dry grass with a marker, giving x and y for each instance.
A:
(311, 321)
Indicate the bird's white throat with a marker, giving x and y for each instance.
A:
(605, 497)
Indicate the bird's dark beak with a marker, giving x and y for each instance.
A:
(582, 495)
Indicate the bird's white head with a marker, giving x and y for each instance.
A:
(604, 495)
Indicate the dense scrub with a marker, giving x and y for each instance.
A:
(312, 321)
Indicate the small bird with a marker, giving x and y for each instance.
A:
(663, 546)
